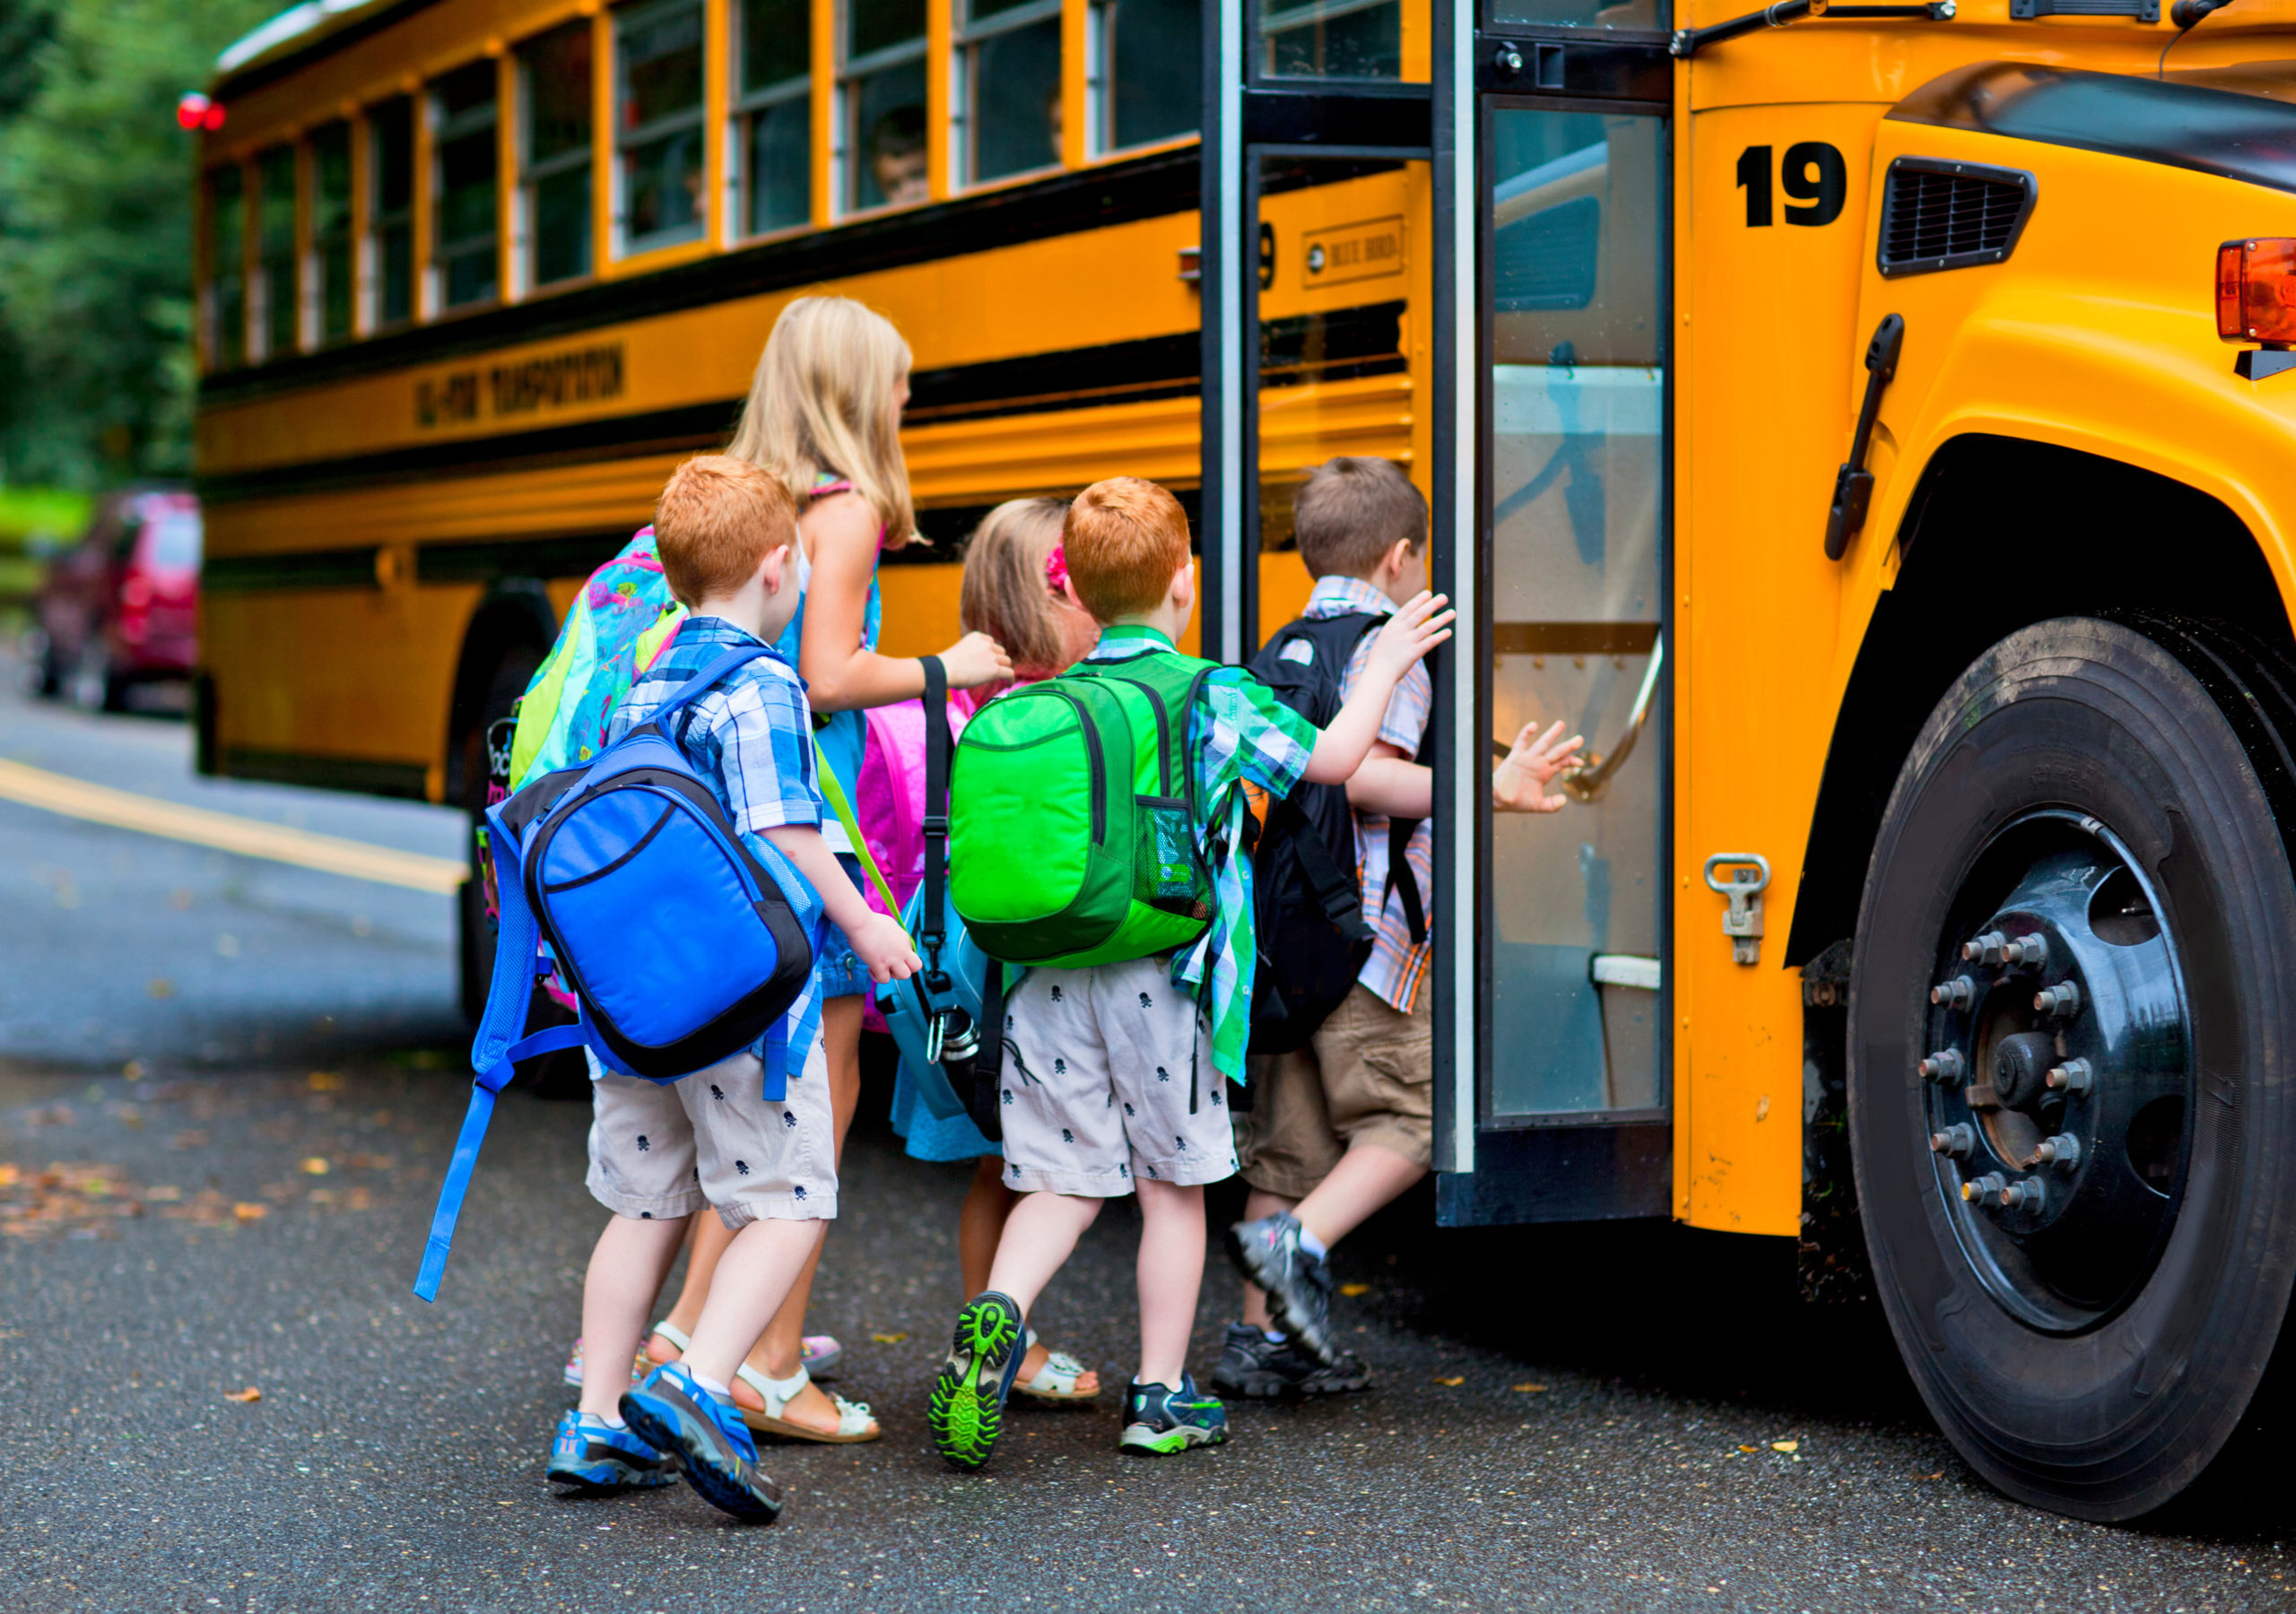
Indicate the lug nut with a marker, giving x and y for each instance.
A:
(1986, 948)
(1984, 1190)
(1956, 994)
(2028, 953)
(2074, 1077)
(2063, 1151)
(1945, 1065)
(2062, 1000)
(1959, 1141)
(2030, 1193)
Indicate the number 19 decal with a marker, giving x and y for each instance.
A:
(1813, 174)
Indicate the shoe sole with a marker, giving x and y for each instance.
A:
(691, 1446)
(607, 1479)
(1168, 1442)
(1280, 1311)
(966, 1412)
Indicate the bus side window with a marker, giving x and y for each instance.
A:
(657, 123)
(331, 230)
(463, 254)
(880, 92)
(554, 195)
(1008, 74)
(774, 113)
(278, 317)
(1331, 39)
(227, 297)
(1149, 69)
(390, 220)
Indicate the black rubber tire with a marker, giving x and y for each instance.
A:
(2079, 713)
(474, 928)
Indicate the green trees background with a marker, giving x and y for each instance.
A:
(96, 374)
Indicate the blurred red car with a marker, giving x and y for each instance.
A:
(118, 608)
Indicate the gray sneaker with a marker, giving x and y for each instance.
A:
(1252, 1368)
(1268, 1251)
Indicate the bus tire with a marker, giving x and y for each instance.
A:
(2095, 1348)
(514, 669)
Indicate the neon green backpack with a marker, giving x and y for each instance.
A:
(1072, 816)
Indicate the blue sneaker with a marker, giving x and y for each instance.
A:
(706, 1438)
(591, 1455)
(966, 1412)
(1159, 1419)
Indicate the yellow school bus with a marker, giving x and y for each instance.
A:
(1869, 422)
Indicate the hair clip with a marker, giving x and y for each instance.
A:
(1055, 570)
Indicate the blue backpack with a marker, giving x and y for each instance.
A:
(682, 947)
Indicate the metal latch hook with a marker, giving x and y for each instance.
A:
(1748, 878)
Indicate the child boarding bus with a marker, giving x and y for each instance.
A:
(1872, 424)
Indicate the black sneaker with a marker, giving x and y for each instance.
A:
(1254, 1368)
(1268, 1252)
(1162, 1420)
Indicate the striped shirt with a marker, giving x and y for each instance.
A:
(751, 738)
(1395, 968)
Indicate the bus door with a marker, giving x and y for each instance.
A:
(1554, 977)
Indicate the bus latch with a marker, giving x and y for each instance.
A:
(1747, 876)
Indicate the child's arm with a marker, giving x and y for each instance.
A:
(1410, 634)
(878, 941)
(1389, 783)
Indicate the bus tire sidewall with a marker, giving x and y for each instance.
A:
(2114, 1422)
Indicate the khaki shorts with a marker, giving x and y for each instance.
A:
(660, 1150)
(1367, 1077)
(1100, 1065)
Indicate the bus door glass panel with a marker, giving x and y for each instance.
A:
(1576, 463)
(1333, 372)
(1499, 15)
(1330, 40)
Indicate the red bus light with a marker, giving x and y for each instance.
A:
(2255, 291)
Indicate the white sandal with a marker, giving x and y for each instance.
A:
(854, 1424)
(820, 1352)
(1056, 1381)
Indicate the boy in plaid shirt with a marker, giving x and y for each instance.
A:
(1098, 1061)
(1342, 1127)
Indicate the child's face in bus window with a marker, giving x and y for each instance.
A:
(900, 176)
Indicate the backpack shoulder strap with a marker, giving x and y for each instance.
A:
(693, 688)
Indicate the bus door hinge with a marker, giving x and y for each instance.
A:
(1853, 484)
(1748, 874)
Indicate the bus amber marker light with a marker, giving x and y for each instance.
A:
(2255, 302)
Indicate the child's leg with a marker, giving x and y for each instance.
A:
(626, 1269)
(706, 1240)
(1369, 1177)
(754, 1277)
(1170, 1274)
(1257, 1203)
(1287, 1146)
(1039, 1236)
(980, 1224)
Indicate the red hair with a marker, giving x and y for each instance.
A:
(1124, 540)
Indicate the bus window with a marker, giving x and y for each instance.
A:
(1331, 39)
(331, 228)
(1150, 67)
(882, 91)
(1577, 457)
(462, 234)
(657, 123)
(774, 116)
(274, 221)
(555, 194)
(390, 220)
(1595, 13)
(1008, 74)
(227, 297)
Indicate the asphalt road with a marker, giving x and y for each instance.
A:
(1621, 1418)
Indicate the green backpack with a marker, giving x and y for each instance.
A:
(1072, 816)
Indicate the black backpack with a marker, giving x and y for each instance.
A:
(1306, 903)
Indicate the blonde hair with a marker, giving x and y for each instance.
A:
(1124, 540)
(822, 400)
(1005, 593)
(718, 518)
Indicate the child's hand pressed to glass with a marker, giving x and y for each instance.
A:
(1518, 784)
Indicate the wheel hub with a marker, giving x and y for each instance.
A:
(2057, 1074)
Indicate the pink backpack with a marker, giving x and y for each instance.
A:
(889, 804)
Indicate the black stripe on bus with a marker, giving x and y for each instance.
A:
(368, 777)
(1145, 188)
(1361, 341)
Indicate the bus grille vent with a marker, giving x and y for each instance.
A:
(1950, 215)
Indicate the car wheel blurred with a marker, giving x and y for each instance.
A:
(42, 676)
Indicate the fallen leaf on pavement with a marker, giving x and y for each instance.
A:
(889, 1339)
(165, 1191)
(1748, 1448)
(1785, 1446)
(134, 1069)
(8, 1176)
(326, 1082)
(1352, 1290)
(1530, 1389)
(316, 1166)
(245, 1211)
(1461, 1379)
(249, 1394)
(160, 986)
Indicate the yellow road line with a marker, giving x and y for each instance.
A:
(249, 837)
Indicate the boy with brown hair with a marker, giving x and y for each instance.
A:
(1342, 1126)
(662, 1151)
(1095, 1086)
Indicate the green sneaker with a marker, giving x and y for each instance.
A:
(1159, 1419)
(967, 1412)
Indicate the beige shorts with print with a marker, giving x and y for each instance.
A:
(660, 1150)
(1369, 1077)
